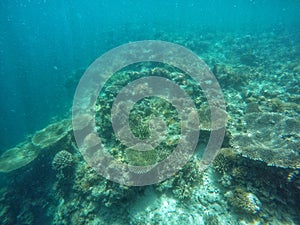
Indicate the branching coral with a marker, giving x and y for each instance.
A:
(225, 160)
(183, 182)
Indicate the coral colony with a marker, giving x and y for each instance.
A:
(253, 180)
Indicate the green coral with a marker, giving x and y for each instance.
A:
(51, 135)
(62, 160)
(244, 201)
(141, 158)
(63, 163)
(211, 219)
(183, 182)
(225, 160)
(17, 157)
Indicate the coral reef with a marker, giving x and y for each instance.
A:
(52, 134)
(253, 180)
(93, 198)
(244, 201)
(225, 160)
(211, 220)
(62, 160)
(81, 121)
(17, 157)
(270, 137)
(183, 182)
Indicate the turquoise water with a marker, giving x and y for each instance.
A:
(43, 43)
(251, 46)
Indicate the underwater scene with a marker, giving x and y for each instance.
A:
(149, 112)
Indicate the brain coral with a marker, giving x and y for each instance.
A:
(62, 160)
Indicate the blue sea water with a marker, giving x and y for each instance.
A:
(46, 45)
